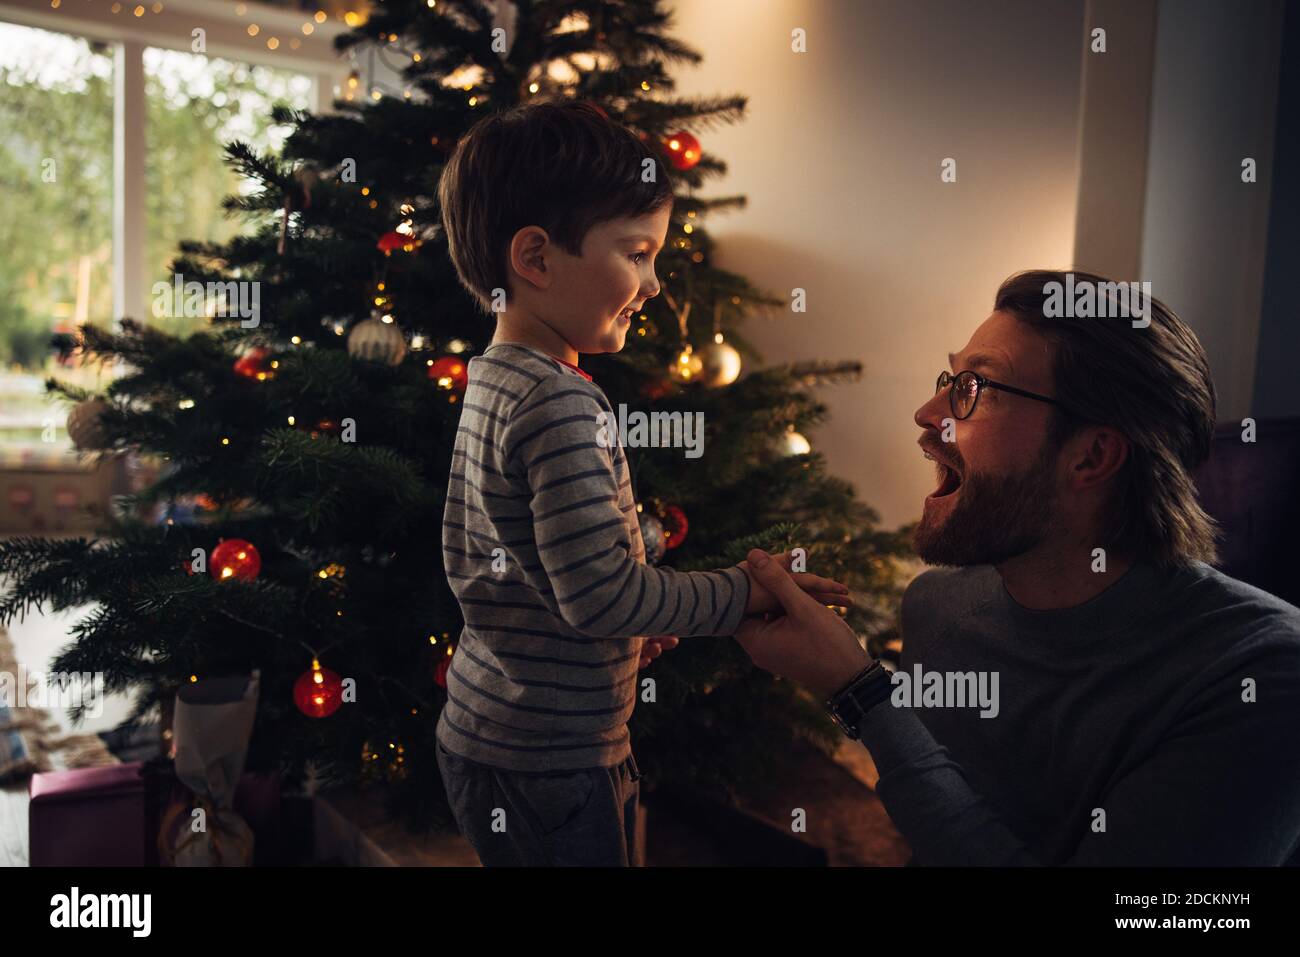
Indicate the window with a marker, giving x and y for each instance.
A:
(57, 266)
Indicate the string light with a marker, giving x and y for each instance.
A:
(253, 29)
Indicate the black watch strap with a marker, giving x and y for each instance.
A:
(851, 703)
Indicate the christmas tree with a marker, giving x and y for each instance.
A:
(293, 524)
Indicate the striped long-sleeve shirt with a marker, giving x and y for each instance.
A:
(543, 550)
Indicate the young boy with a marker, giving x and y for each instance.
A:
(548, 216)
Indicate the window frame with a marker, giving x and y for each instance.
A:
(127, 36)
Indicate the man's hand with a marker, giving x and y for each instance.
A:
(823, 590)
(656, 645)
(808, 643)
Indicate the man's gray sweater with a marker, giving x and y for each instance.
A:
(1157, 724)
(542, 548)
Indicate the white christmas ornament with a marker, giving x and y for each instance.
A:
(377, 341)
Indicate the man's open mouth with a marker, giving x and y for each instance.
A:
(949, 479)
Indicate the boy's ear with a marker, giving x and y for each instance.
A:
(528, 256)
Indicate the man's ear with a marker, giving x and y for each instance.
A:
(1097, 453)
(527, 256)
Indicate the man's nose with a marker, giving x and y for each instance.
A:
(933, 411)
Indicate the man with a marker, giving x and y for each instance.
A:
(1145, 705)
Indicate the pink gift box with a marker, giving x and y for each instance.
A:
(88, 817)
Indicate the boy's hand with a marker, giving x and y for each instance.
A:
(654, 646)
(825, 590)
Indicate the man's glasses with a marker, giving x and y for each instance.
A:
(966, 389)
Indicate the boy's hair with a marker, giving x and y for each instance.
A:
(560, 165)
(1152, 384)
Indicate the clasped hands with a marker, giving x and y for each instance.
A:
(805, 641)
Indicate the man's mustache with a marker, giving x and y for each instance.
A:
(944, 452)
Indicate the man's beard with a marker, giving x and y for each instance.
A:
(996, 518)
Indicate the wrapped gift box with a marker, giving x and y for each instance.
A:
(88, 817)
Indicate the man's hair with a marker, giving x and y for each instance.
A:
(561, 165)
(1153, 385)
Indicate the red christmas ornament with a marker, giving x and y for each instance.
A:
(657, 388)
(450, 373)
(393, 240)
(256, 363)
(318, 693)
(683, 150)
(675, 525)
(235, 558)
(440, 673)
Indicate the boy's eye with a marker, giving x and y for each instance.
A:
(637, 257)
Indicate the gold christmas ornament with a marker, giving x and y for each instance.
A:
(721, 364)
(792, 443)
(86, 425)
(377, 341)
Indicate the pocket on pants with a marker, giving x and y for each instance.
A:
(558, 800)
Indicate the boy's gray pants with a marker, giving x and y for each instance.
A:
(514, 819)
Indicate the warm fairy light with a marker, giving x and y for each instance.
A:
(319, 16)
(253, 29)
(433, 640)
(365, 190)
(116, 8)
(417, 341)
(645, 85)
(272, 43)
(386, 317)
(415, 58)
(185, 404)
(473, 101)
(432, 3)
(54, 4)
(227, 572)
(194, 678)
(156, 8)
(240, 9)
(717, 337)
(138, 11)
(292, 420)
(380, 287)
(533, 87)
(688, 228)
(308, 29)
(225, 441)
(351, 19)
(296, 340)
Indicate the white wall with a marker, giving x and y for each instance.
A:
(1205, 234)
(840, 157)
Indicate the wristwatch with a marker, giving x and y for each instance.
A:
(848, 706)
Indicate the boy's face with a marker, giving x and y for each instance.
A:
(589, 295)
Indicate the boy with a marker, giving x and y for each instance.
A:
(548, 216)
